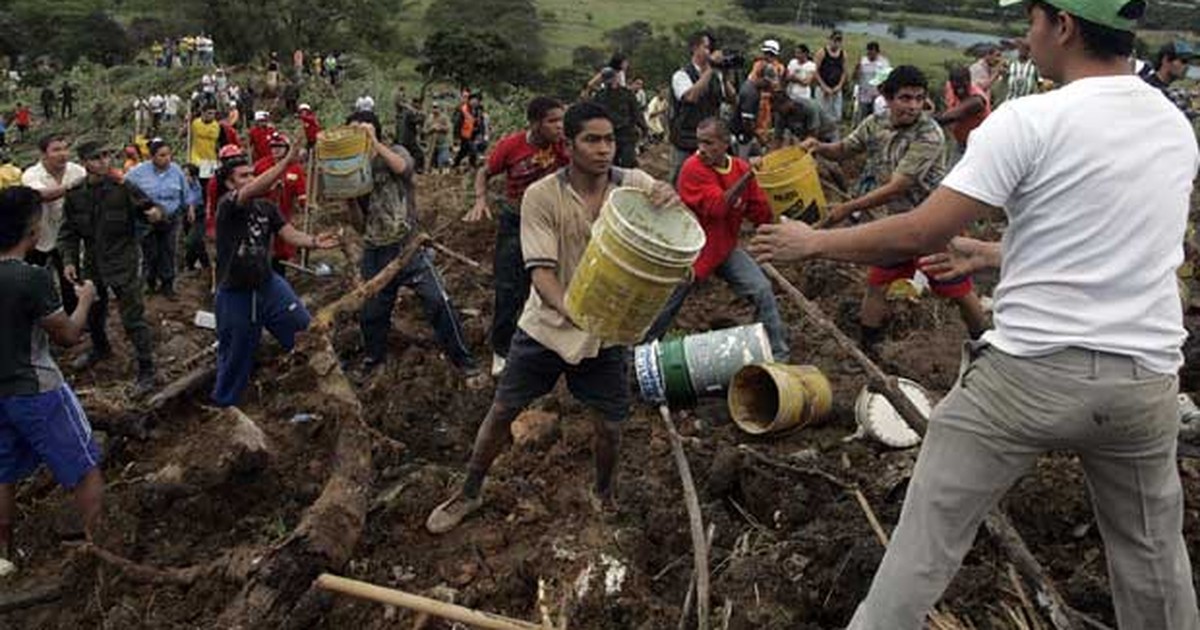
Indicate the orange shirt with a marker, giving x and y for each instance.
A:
(963, 128)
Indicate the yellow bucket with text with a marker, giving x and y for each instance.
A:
(790, 178)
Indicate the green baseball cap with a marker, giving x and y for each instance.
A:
(1103, 12)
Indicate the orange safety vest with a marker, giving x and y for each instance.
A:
(468, 122)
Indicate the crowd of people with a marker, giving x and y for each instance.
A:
(1080, 353)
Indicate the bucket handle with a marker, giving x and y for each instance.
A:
(636, 272)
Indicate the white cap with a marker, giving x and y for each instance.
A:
(305, 106)
(261, 116)
(771, 46)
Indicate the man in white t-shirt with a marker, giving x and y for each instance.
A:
(801, 73)
(1088, 323)
(52, 176)
(869, 67)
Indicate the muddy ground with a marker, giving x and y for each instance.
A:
(790, 550)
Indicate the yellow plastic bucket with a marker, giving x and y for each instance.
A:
(773, 397)
(344, 163)
(637, 255)
(792, 183)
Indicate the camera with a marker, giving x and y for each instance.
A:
(731, 59)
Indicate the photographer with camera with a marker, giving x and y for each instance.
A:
(698, 89)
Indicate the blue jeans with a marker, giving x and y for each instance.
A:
(748, 281)
(420, 276)
(241, 317)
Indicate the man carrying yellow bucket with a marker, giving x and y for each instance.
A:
(906, 148)
(557, 213)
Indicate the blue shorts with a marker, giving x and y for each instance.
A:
(50, 428)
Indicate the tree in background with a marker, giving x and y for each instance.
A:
(514, 22)
(470, 58)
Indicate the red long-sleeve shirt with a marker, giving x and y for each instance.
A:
(702, 188)
(312, 127)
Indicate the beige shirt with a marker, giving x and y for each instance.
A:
(39, 179)
(555, 230)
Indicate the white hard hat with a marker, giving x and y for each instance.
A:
(771, 46)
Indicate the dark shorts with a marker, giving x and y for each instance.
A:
(50, 428)
(532, 370)
(885, 276)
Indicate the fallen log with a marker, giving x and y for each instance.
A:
(184, 385)
(331, 527)
(36, 596)
(393, 597)
(1062, 616)
(354, 299)
(695, 519)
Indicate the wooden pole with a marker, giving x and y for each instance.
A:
(310, 200)
(692, 501)
(876, 378)
(393, 597)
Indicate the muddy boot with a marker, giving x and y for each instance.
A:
(91, 357)
(605, 506)
(144, 385)
(448, 515)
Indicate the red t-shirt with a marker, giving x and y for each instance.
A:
(702, 189)
(260, 140)
(23, 117)
(312, 127)
(523, 163)
(229, 135)
(289, 193)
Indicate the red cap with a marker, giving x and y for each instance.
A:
(279, 139)
(230, 151)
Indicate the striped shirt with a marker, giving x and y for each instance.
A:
(1023, 79)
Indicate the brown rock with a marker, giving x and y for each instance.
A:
(536, 429)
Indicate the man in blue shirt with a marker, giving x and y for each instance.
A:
(164, 184)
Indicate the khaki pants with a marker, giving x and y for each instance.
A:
(1120, 419)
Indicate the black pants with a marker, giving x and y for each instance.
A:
(414, 149)
(159, 254)
(626, 156)
(467, 149)
(511, 277)
(53, 260)
(194, 250)
(68, 109)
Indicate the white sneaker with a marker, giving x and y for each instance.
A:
(497, 364)
(7, 568)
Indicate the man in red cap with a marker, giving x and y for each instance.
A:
(288, 192)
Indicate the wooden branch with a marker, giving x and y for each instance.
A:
(1046, 593)
(147, 574)
(461, 258)
(997, 522)
(393, 597)
(11, 601)
(692, 501)
(691, 592)
(877, 379)
(353, 300)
